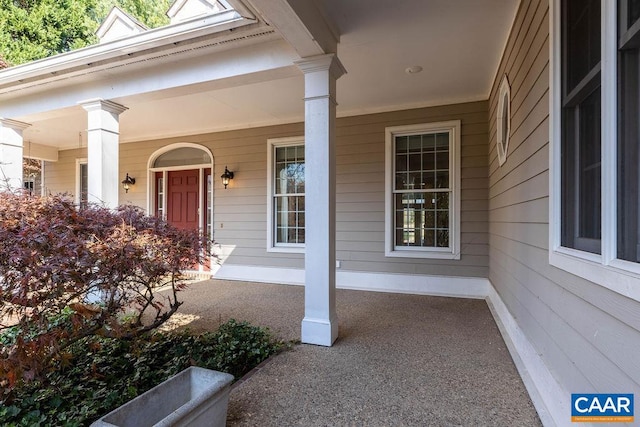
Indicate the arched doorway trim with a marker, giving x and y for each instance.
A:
(158, 179)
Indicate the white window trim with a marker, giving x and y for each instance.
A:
(502, 141)
(79, 162)
(43, 187)
(614, 274)
(272, 143)
(453, 252)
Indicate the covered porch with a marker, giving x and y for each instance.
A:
(421, 360)
(245, 77)
(336, 92)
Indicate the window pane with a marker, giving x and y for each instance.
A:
(628, 196)
(84, 185)
(442, 141)
(442, 200)
(429, 161)
(429, 142)
(401, 162)
(415, 144)
(505, 123)
(442, 179)
(442, 160)
(442, 238)
(415, 162)
(402, 144)
(589, 168)
(401, 181)
(289, 170)
(429, 180)
(633, 12)
(415, 180)
(429, 238)
(582, 39)
(289, 219)
(430, 219)
(581, 115)
(182, 157)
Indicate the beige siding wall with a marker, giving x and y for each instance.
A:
(588, 336)
(240, 211)
(360, 177)
(60, 176)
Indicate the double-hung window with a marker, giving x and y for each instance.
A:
(286, 193)
(595, 141)
(422, 191)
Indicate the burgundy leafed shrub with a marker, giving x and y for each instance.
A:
(67, 273)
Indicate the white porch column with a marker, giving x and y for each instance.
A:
(103, 140)
(320, 323)
(11, 153)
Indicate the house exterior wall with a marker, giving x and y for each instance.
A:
(60, 176)
(587, 335)
(240, 212)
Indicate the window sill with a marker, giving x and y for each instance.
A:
(617, 277)
(287, 249)
(424, 254)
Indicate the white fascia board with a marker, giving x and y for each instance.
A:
(119, 51)
(244, 65)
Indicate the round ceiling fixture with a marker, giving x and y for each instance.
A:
(413, 70)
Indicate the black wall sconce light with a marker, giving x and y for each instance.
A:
(226, 177)
(127, 183)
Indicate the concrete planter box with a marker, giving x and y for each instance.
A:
(194, 397)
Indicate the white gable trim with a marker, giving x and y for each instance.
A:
(183, 10)
(119, 24)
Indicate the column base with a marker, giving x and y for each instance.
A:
(319, 331)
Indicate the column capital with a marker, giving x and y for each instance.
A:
(328, 62)
(14, 124)
(102, 104)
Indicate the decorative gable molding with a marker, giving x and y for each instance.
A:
(117, 25)
(182, 10)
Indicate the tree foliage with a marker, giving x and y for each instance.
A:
(36, 29)
(68, 273)
(152, 13)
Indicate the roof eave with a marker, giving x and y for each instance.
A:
(121, 50)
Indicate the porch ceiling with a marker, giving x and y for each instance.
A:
(457, 43)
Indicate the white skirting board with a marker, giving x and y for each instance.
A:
(463, 287)
(548, 397)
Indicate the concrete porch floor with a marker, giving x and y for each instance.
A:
(400, 360)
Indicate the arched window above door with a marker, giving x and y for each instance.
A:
(182, 156)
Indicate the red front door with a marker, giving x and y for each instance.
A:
(182, 198)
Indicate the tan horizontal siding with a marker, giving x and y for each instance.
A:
(586, 334)
(240, 211)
